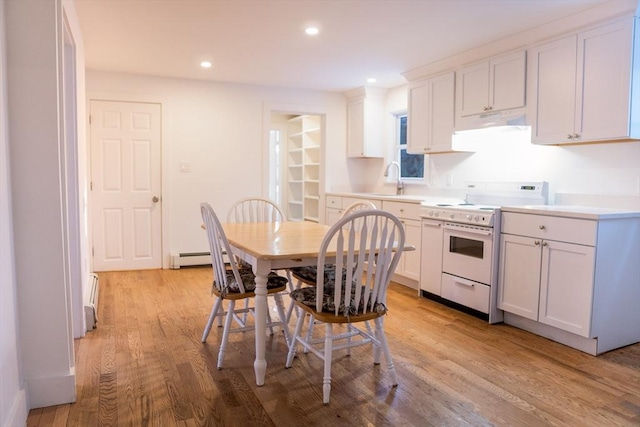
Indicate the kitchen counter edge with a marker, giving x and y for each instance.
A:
(570, 211)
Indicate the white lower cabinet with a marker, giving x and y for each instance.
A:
(409, 214)
(432, 235)
(548, 281)
(571, 279)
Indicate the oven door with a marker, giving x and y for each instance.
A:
(468, 252)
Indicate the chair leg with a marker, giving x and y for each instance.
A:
(269, 321)
(220, 314)
(309, 331)
(375, 348)
(244, 315)
(385, 349)
(225, 333)
(217, 306)
(285, 326)
(294, 342)
(292, 305)
(328, 353)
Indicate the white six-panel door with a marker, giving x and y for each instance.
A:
(126, 185)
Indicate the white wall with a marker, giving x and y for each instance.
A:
(13, 401)
(220, 130)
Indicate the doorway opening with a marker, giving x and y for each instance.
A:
(295, 164)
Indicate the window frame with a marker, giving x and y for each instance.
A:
(399, 146)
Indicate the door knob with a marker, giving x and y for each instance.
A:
(155, 199)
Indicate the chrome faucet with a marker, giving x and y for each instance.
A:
(400, 184)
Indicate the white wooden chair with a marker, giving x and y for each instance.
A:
(307, 275)
(351, 296)
(234, 282)
(256, 209)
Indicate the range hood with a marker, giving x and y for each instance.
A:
(500, 121)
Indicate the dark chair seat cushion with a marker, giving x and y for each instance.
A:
(309, 274)
(307, 296)
(249, 281)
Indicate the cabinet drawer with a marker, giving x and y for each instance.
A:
(402, 210)
(334, 202)
(466, 292)
(579, 231)
(348, 201)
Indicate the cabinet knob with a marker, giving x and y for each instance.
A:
(576, 135)
(569, 136)
(544, 243)
(536, 242)
(542, 227)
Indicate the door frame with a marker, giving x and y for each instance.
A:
(164, 161)
(295, 110)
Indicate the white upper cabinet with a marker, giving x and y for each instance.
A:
(431, 115)
(583, 87)
(365, 122)
(493, 85)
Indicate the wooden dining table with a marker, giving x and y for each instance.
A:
(273, 246)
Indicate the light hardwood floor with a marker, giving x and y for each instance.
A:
(145, 365)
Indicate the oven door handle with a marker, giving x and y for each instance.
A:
(470, 230)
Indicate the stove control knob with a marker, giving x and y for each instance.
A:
(437, 214)
(452, 216)
(430, 213)
(477, 218)
(469, 217)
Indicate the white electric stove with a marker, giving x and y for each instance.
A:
(461, 240)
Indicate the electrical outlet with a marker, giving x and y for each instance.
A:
(185, 167)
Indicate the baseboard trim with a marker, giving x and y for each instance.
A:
(52, 391)
(18, 413)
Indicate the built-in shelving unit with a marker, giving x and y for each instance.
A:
(303, 168)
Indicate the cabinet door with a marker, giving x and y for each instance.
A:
(566, 286)
(431, 115)
(355, 128)
(553, 91)
(472, 89)
(431, 257)
(519, 279)
(441, 112)
(417, 118)
(411, 259)
(507, 83)
(604, 82)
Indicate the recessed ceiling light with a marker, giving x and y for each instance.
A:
(205, 64)
(312, 31)
(371, 80)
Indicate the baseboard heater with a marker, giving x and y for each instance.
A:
(91, 302)
(190, 259)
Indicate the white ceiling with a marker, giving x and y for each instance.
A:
(263, 42)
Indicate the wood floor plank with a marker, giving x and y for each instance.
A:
(145, 365)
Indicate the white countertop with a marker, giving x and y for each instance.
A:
(383, 196)
(569, 211)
